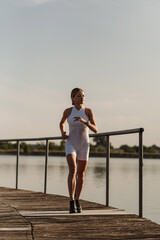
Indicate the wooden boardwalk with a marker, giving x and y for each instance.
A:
(27, 215)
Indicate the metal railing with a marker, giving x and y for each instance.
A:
(107, 134)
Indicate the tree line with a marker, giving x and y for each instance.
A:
(29, 148)
(98, 145)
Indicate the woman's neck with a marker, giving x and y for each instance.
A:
(79, 106)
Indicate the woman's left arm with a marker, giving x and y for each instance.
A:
(92, 123)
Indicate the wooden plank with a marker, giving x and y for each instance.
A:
(66, 213)
(14, 229)
(12, 225)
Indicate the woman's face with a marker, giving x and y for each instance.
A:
(79, 98)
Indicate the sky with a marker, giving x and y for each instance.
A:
(109, 48)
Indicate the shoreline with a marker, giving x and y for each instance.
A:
(92, 154)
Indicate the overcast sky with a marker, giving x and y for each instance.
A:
(109, 48)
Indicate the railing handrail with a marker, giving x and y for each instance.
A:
(107, 134)
(112, 133)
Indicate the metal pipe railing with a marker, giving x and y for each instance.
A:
(107, 170)
(46, 166)
(141, 173)
(107, 134)
(17, 163)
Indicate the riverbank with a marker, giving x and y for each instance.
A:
(92, 154)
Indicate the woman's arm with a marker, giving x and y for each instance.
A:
(92, 123)
(62, 123)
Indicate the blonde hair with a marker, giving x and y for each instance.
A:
(74, 92)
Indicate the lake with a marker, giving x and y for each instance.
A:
(124, 177)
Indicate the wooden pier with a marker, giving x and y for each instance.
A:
(27, 215)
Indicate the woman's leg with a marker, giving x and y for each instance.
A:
(71, 159)
(82, 166)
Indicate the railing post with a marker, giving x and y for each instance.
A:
(141, 173)
(46, 166)
(107, 170)
(17, 163)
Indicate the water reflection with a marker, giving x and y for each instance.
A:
(99, 172)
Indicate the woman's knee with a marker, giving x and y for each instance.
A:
(80, 174)
(72, 170)
(82, 166)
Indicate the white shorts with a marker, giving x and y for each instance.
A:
(81, 154)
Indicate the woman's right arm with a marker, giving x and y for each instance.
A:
(62, 124)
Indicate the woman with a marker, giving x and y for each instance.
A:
(77, 145)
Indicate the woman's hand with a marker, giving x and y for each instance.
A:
(64, 136)
(80, 119)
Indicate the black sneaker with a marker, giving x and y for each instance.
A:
(78, 205)
(72, 207)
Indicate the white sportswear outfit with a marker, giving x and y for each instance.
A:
(78, 140)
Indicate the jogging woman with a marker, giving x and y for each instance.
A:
(80, 119)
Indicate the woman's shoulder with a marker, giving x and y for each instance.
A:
(88, 110)
(67, 111)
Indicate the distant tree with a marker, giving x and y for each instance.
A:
(7, 146)
(62, 145)
(126, 148)
(111, 146)
(100, 141)
(4, 146)
(52, 146)
(147, 149)
(92, 147)
(25, 147)
(155, 148)
(40, 146)
(135, 148)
